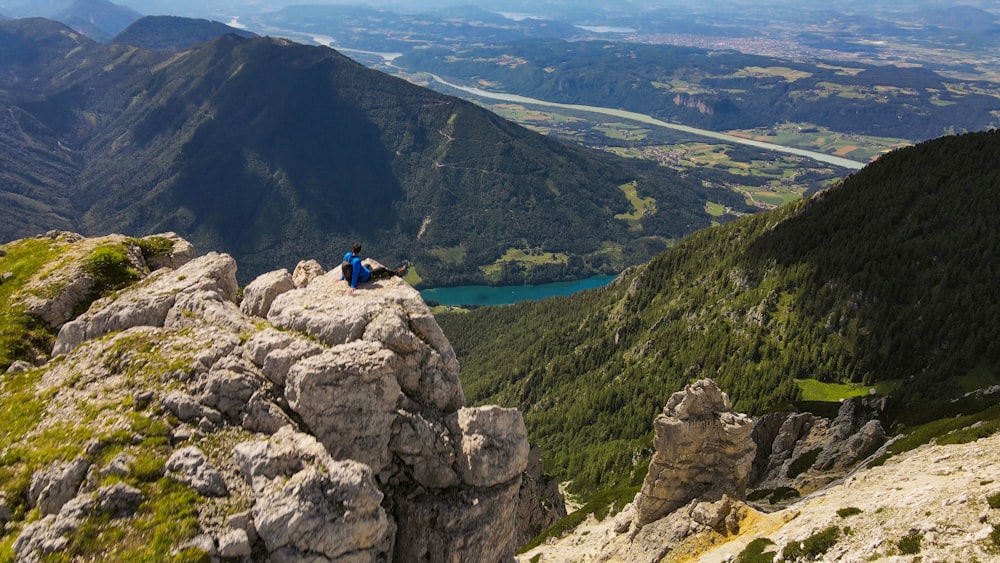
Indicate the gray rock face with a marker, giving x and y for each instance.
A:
(493, 445)
(190, 466)
(388, 312)
(539, 502)
(347, 397)
(841, 443)
(456, 524)
(234, 543)
(703, 451)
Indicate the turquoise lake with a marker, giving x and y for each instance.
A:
(506, 295)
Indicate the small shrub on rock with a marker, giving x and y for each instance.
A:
(993, 500)
(910, 543)
(110, 268)
(754, 552)
(782, 494)
(848, 512)
(802, 463)
(812, 547)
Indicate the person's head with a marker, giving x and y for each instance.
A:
(356, 249)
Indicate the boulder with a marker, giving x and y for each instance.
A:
(703, 451)
(233, 543)
(837, 445)
(191, 467)
(52, 488)
(427, 448)
(492, 444)
(260, 293)
(187, 409)
(347, 398)
(275, 352)
(307, 506)
(306, 271)
(181, 253)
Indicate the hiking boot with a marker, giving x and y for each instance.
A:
(401, 271)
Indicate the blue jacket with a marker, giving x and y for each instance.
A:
(360, 273)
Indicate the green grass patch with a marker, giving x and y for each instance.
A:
(601, 505)
(754, 552)
(773, 496)
(525, 258)
(152, 247)
(848, 512)
(453, 255)
(979, 377)
(995, 536)
(167, 518)
(776, 199)
(790, 75)
(641, 206)
(813, 390)
(715, 209)
(21, 336)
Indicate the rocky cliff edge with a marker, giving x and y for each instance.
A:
(302, 424)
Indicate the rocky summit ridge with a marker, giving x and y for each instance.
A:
(295, 422)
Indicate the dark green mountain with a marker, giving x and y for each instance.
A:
(891, 276)
(272, 151)
(174, 33)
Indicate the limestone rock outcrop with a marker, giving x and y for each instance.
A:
(696, 481)
(337, 418)
(703, 452)
(786, 440)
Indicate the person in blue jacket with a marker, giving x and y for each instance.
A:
(359, 273)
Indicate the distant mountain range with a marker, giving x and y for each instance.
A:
(272, 151)
(174, 33)
(888, 279)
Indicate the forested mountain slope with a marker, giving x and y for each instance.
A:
(890, 276)
(271, 150)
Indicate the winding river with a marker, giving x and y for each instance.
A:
(643, 118)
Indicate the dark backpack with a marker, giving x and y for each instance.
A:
(347, 270)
